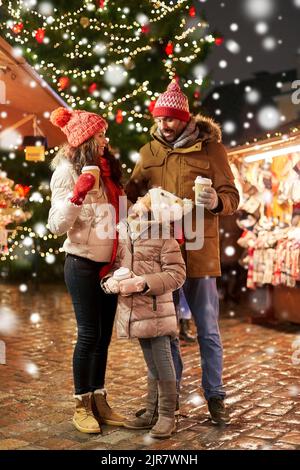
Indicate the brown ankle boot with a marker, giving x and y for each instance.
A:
(147, 419)
(103, 411)
(167, 397)
(83, 418)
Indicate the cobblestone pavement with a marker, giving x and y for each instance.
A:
(261, 373)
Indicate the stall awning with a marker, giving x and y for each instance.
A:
(26, 93)
(288, 142)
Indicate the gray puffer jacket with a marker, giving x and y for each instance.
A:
(89, 227)
(160, 262)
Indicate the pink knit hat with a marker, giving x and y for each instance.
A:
(172, 103)
(78, 126)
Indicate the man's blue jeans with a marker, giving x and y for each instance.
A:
(202, 297)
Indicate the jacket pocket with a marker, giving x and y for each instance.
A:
(154, 171)
(154, 160)
(196, 165)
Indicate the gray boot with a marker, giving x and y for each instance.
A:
(165, 425)
(149, 418)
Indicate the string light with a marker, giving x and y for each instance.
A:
(119, 38)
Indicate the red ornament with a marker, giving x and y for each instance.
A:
(169, 48)
(145, 29)
(151, 105)
(219, 41)
(101, 3)
(22, 189)
(197, 94)
(92, 87)
(17, 28)
(192, 12)
(39, 35)
(63, 82)
(119, 116)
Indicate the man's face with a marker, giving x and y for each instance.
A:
(170, 128)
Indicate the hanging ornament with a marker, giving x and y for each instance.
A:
(22, 189)
(192, 12)
(219, 41)
(63, 83)
(39, 35)
(92, 87)
(197, 94)
(145, 29)
(17, 28)
(84, 21)
(101, 3)
(119, 116)
(169, 48)
(151, 105)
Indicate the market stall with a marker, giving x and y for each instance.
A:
(268, 178)
(26, 100)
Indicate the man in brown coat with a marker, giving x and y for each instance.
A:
(182, 148)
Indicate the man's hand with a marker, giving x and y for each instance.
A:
(209, 198)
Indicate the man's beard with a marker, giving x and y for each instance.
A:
(170, 136)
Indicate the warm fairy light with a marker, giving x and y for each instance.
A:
(116, 43)
(272, 153)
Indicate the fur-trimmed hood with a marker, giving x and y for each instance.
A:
(59, 158)
(209, 130)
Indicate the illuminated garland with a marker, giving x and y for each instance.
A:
(109, 30)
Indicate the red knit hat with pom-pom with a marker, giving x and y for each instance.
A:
(78, 126)
(172, 103)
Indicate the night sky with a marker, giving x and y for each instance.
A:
(268, 31)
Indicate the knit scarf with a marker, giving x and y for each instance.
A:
(187, 137)
(113, 192)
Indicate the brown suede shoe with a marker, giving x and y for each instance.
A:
(103, 411)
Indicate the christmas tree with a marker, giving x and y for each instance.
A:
(114, 58)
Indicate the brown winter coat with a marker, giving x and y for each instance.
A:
(175, 170)
(160, 262)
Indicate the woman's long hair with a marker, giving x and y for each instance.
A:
(88, 154)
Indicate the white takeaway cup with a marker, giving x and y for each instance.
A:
(200, 184)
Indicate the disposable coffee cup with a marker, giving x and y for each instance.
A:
(95, 171)
(200, 184)
(121, 274)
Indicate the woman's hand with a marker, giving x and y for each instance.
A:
(83, 185)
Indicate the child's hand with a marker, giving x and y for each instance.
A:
(111, 286)
(141, 207)
(132, 285)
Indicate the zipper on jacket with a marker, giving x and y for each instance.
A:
(154, 302)
(131, 308)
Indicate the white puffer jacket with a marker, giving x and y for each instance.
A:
(89, 227)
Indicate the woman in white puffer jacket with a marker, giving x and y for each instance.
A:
(89, 220)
